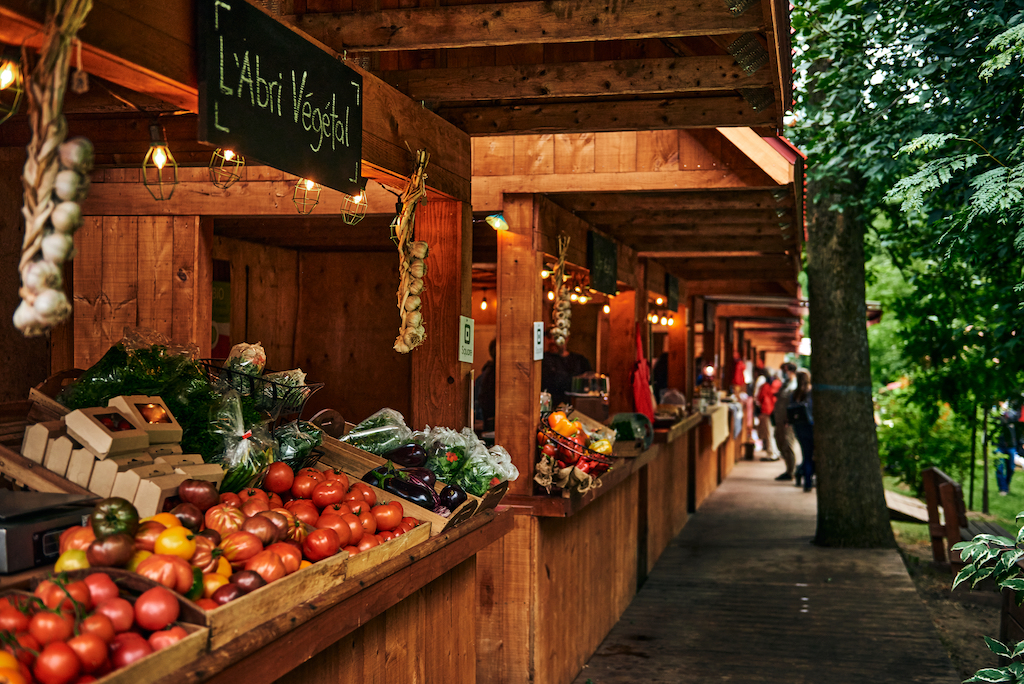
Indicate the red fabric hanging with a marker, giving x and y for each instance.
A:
(643, 401)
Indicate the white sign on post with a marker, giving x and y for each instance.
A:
(465, 339)
(538, 341)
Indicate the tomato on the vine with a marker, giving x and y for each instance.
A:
(101, 587)
(99, 625)
(91, 651)
(47, 627)
(57, 664)
(12, 620)
(119, 612)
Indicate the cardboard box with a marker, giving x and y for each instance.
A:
(58, 454)
(105, 431)
(211, 472)
(80, 467)
(126, 484)
(105, 471)
(155, 450)
(150, 414)
(37, 439)
(175, 460)
(153, 492)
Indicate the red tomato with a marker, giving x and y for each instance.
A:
(328, 493)
(76, 538)
(388, 515)
(13, 620)
(367, 542)
(170, 571)
(230, 499)
(353, 494)
(90, 649)
(57, 664)
(402, 528)
(46, 627)
(320, 544)
(156, 608)
(336, 509)
(128, 650)
(275, 500)
(413, 522)
(304, 510)
(267, 565)
(101, 587)
(279, 477)
(352, 550)
(369, 495)
(99, 625)
(252, 492)
(225, 519)
(317, 475)
(161, 640)
(303, 486)
(336, 475)
(119, 612)
(76, 592)
(334, 522)
(369, 523)
(384, 536)
(254, 505)
(145, 536)
(289, 554)
(207, 604)
(549, 450)
(358, 507)
(239, 547)
(25, 649)
(356, 527)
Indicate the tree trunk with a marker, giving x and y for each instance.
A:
(974, 452)
(851, 501)
(984, 462)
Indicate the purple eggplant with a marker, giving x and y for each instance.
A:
(408, 456)
(424, 474)
(408, 486)
(453, 496)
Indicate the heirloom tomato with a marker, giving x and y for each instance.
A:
(267, 565)
(279, 477)
(172, 572)
(224, 519)
(176, 541)
(320, 544)
(114, 516)
(90, 649)
(290, 555)
(239, 547)
(78, 537)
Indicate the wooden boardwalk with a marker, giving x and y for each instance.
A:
(741, 595)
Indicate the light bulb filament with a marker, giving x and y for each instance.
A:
(6, 75)
(159, 157)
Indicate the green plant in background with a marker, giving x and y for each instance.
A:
(913, 437)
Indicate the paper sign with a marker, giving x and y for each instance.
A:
(465, 339)
(538, 341)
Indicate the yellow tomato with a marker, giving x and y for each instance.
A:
(165, 519)
(304, 564)
(7, 660)
(602, 446)
(212, 582)
(556, 418)
(176, 541)
(224, 567)
(72, 559)
(567, 428)
(137, 558)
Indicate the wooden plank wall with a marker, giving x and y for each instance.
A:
(346, 326)
(666, 497)
(265, 287)
(706, 465)
(428, 637)
(587, 575)
(150, 272)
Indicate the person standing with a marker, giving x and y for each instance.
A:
(784, 436)
(559, 367)
(765, 399)
(1007, 446)
(800, 415)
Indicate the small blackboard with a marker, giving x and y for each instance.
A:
(672, 291)
(268, 94)
(603, 262)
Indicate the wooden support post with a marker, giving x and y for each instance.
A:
(678, 350)
(621, 352)
(438, 384)
(518, 386)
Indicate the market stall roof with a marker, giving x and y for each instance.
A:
(511, 67)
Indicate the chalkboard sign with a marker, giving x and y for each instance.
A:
(266, 93)
(603, 262)
(672, 291)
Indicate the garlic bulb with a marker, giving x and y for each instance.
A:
(27, 319)
(415, 286)
(413, 303)
(41, 275)
(51, 305)
(66, 217)
(76, 154)
(417, 268)
(413, 319)
(69, 186)
(419, 249)
(57, 247)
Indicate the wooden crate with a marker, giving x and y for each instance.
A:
(356, 462)
(361, 562)
(233, 619)
(620, 448)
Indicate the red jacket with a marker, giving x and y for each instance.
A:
(766, 396)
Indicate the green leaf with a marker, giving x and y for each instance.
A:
(1018, 650)
(1017, 584)
(983, 573)
(997, 647)
(991, 674)
(966, 573)
(992, 539)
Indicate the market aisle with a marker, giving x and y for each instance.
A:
(742, 596)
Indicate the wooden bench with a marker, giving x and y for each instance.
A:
(943, 493)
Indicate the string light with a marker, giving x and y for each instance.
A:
(306, 195)
(573, 297)
(159, 170)
(607, 309)
(12, 85)
(353, 207)
(225, 168)
(545, 274)
(659, 301)
(483, 304)
(551, 295)
(663, 320)
(671, 321)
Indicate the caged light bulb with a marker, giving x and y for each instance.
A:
(228, 155)
(159, 158)
(607, 309)
(6, 75)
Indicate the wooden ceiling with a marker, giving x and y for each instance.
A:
(570, 65)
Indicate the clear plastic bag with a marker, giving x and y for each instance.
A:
(296, 442)
(246, 451)
(447, 451)
(245, 359)
(380, 433)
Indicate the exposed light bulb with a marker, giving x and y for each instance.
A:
(659, 301)
(573, 297)
(359, 199)
(663, 321)
(607, 309)
(228, 155)
(159, 157)
(671, 321)
(545, 273)
(6, 75)
(309, 184)
(483, 305)
(584, 300)
(551, 295)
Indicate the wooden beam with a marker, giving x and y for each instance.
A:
(487, 190)
(723, 286)
(517, 23)
(626, 216)
(577, 79)
(319, 233)
(760, 152)
(694, 229)
(691, 200)
(645, 115)
(677, 246)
